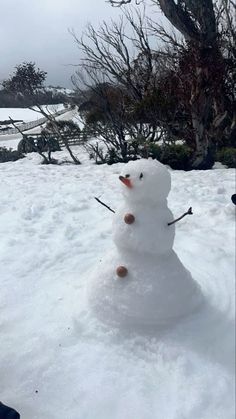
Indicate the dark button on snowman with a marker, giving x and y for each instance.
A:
(142, 281)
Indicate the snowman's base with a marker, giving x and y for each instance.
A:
(158, 291)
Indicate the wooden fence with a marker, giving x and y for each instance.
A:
(71, 139)
(78, 138)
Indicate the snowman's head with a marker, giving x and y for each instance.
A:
(145, 180)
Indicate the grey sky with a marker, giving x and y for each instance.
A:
(37, 30)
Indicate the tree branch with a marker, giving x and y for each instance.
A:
(179, 18)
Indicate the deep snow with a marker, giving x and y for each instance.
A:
(56, 359)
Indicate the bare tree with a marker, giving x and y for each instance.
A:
(226, 22)
(107, 53)
(109, 114)
(109, 68)
(204, 25)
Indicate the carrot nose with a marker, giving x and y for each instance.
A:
(127, 182)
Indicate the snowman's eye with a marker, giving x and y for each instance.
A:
(127, 176)
(141, 176)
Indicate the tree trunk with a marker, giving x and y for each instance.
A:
(75, 160)
(196, 21)
(203, 158)
(201, 105)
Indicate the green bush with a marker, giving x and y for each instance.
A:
(38, 144)
(227, 156)
(26, 145)
(7, 154)
(153, 150)
(64, 127)
(177, 156)
(112, 156)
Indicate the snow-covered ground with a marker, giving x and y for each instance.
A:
(56, 359)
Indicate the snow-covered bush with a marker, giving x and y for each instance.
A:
(7, 154)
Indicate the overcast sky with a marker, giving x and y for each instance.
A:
(37, 30)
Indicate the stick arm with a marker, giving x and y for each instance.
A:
(189, 212)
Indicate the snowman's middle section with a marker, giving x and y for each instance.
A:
(148, 233)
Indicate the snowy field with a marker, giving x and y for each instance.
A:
(25, 114)
(56, 359)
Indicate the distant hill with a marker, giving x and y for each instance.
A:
(59, 89)
(51, 95)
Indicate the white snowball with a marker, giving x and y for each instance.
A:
(151, 181)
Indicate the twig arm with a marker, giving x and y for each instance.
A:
(189, 212)
(102, 203)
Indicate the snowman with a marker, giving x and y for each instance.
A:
(142, 282)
